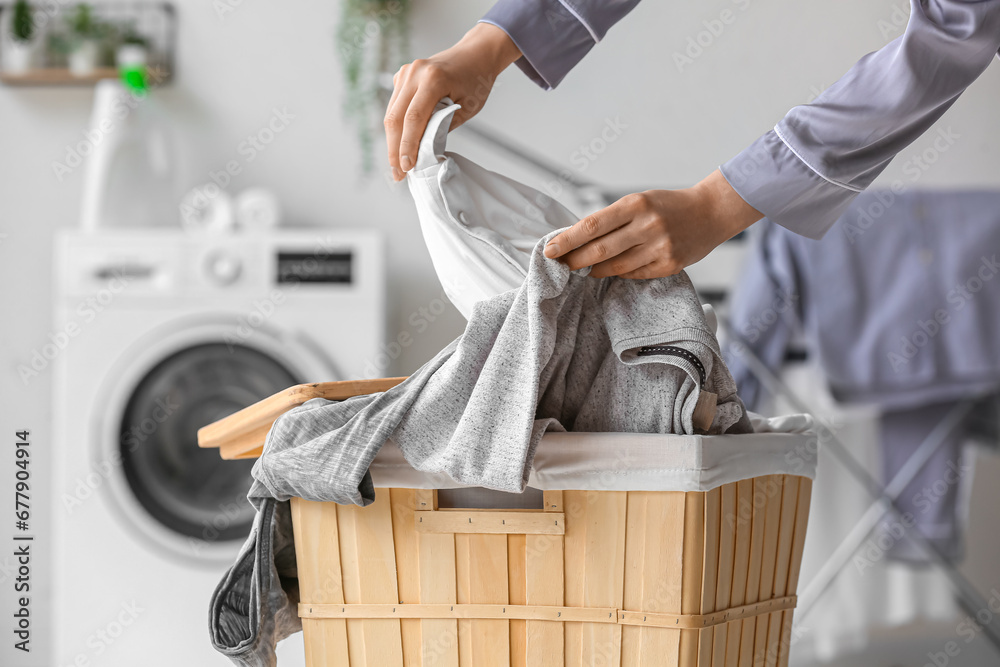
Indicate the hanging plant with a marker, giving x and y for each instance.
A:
(373, 40)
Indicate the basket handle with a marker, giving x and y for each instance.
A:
(241, 435)
(549, 520)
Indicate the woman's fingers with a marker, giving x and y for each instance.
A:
(603, 249)
(402, 93)
(656, 268)
(655, 233)
(588, 229)
(458, 72)
(415, 122)
(627, 261)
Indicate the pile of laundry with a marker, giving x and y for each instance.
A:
(545, 349)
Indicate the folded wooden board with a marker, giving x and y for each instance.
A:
(241, 435)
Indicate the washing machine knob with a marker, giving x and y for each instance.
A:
(223, 268)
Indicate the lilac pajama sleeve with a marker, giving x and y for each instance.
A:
(554, 35)
(803, 173)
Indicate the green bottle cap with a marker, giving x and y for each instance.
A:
(134, 78)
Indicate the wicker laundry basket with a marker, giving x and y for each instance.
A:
(592, 577)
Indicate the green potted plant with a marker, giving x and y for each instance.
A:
(58, 45)
(87, 34)
(21, 49)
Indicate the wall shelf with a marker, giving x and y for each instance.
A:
(61, 76)
(155, 21)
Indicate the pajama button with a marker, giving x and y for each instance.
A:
(463, 218)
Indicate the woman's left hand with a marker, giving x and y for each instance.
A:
(655, 233)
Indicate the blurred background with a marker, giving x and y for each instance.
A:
(226, 227)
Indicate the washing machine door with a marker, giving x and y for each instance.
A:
(170, 491)
(181, 486)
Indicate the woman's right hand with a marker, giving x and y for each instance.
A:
(465, 73)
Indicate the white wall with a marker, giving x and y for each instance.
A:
(233, 71)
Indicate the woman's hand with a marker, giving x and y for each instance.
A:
(465, 73)
(655, 233)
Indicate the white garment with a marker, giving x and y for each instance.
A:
(477, 241)
(476, 261)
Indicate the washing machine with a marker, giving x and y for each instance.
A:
(163, 332)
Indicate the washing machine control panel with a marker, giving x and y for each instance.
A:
(155, 268)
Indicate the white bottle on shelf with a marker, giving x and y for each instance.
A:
(130, 175)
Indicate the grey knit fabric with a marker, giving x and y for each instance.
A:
(560, 353)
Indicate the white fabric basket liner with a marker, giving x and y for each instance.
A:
(642, 461)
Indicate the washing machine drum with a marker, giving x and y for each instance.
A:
(183, 487)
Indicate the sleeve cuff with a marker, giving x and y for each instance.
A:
(769, 176)
(551, 39)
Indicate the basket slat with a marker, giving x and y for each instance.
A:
(403, 502)
(594, 572)
(487, 583)
(517, 593)
(769, 557)
(759, 516)
(544, 586)
(438, 579)
(789, 499)
(462, 563)
(692, 572)
(712, 548)
(795, 563)
(655, 547)
(742, 518)
(723, 593)
(317, 554)
(369, 569)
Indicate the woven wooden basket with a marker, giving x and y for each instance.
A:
(590, 578)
